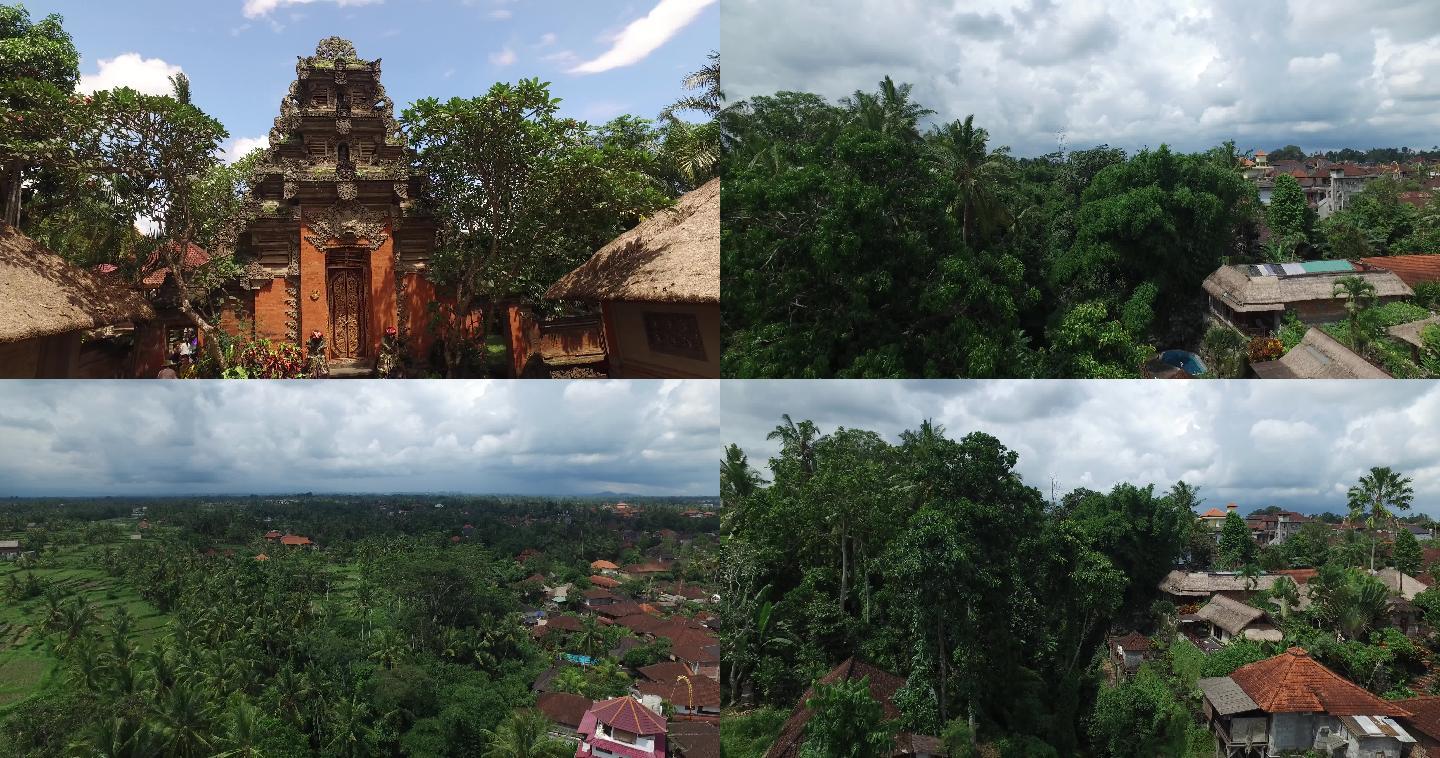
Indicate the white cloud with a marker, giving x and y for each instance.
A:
(500, 14)
(236, 148)
(503, 57)
(1298, 445)
(474, 436)
(645, 35)
(1321, 74)
(150, 76)
(258, 8)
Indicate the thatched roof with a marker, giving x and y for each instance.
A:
(1205, 584)
(42, 294)
(671, 257)
(1319, 356)
(1400, 583)
(1244, 292)
(1410, 332)
(1229, 614)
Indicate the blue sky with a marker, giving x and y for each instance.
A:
(602, 58)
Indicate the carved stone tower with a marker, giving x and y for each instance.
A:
(334, 241)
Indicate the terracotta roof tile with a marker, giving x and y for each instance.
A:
(563, 708)
(1293, 682)
(1412, 269)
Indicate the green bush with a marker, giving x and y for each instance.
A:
(1399, 312)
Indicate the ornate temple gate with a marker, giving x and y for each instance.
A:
(348, 281)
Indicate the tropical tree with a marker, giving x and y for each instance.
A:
(1376, 498)
(888, 110)
(846, 722)
(525, 734)
(1406, 552)
(1359, 294)
(977, 176)
(524, 193)
(40, 117)
(1237, 547)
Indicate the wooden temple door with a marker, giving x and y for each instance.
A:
(347, 310)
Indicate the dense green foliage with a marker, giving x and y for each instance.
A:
(393, 639)
(935, 561)
(854, 244)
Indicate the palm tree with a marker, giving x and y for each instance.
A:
(1286, 594)
(797, 441)
(705, 84)
(590, 637)
(1376, 497)
(888, 111)
(1251, 574)
(526, 734)
(183, 724)
(1359, 294)
(571, 680)
(959, 148)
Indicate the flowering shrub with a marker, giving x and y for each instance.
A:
(263, 359)
(1265, 349)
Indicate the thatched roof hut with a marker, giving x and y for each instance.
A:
(1237, 618)
(42, 294)
(1246, 288)
(658, 286)
(671, 257)
(1319, 356)
(1412, 332)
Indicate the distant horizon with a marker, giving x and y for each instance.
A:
(1296, 445)
(183, 496)
(1324, 72)
(208, 439)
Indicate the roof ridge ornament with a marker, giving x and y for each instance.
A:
(336, 48)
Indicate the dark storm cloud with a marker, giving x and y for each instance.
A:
(1298, 445)
(1318, 73)
(80, 438)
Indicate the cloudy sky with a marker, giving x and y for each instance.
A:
(1190, 73)
(602, 58)
(122, 438)
(1299, 445)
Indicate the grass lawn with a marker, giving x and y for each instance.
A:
(750, 734)
(26, 662)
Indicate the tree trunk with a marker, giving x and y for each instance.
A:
(12, 185)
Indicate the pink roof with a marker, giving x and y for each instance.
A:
(626, 714)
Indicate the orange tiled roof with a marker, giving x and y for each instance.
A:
(604, 581)
(1293, 682)
(195, 257)
(1412, 269)
(295, 539)
(602, 565)
(1213, 513)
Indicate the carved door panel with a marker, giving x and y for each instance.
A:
(347, 313)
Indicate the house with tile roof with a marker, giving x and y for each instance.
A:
(688, 694)
(565, 711)
(621, 728)
(1292, 704)
(1129, 651)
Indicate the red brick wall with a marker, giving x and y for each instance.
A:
(382, 292)
(314, 302)
(271, 311)
(419, 294)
